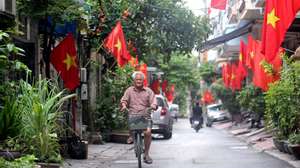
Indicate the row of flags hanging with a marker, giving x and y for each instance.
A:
(279, 15)
(64, 56)
(65, 61)
(164, 88)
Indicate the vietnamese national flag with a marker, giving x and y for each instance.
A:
(143, 68)
(133, 61)
(170, 93)
(207, 97)
(251, 51)
(235, 81)
(218, 4)
(116, 44)
(242, 72)
(279, 14)
(164, 85)
(64, 60)
(155, 86)
(226, 74)
(261, 78)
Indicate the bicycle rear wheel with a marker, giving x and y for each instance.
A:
(139, 149)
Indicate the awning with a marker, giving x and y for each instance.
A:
(226, 37)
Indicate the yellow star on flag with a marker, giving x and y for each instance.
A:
(272, 18)
(241, 57)
(118, 45)
(252, 54)
(70, 61)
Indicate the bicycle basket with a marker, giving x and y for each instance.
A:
(137, 123)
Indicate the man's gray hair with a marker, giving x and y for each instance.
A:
(138, 73)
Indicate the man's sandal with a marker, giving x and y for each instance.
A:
(148, 160)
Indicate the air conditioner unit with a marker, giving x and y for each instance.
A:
(8, 6)
(83, 74)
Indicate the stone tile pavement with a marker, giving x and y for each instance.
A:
(259, 139)
(99, 156)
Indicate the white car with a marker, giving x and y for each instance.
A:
(216, 112)
(174, 110)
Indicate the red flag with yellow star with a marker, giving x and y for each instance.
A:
(116, 44)
(242, 72)
(235, 81)
(64, 60)
(143, 68)
(155, 86)
(207, 97)
(279, 14)
(262, 78)
(226, 74)
(251, 51)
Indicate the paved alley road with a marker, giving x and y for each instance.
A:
(209, 148)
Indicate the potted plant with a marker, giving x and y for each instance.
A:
(294, 144)
(41, 103)
(26, 161)
(252, 98)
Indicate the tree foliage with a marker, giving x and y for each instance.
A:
(156, 28)
(227, 96)
(59, 10)
(181, 71)
(207, 72)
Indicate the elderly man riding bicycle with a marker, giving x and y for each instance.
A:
(138, 99)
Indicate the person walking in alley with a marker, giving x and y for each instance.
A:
(137, 99)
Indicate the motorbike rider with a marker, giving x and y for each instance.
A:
(197, 113)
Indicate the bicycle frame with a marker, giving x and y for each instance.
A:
(138, 145)
(137, 125)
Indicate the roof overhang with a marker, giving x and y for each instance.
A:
(226, 37)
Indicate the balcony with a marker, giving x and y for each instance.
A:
(259, 3)
(231, 48)
(248, 10)
(232, 15)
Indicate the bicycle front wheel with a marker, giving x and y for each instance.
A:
(139, 149)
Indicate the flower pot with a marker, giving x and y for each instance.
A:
(296, 150)
(279, 144)
(10, 155)
(286, 147)
(78, 149)
(120, 136)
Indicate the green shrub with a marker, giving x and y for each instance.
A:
(114, 85)
(294, 138)
(27, 161)
(227, 96)
(282, 101)
(252, 98)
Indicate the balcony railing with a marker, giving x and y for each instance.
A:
(248, 10)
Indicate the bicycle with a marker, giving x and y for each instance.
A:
(137, 124)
